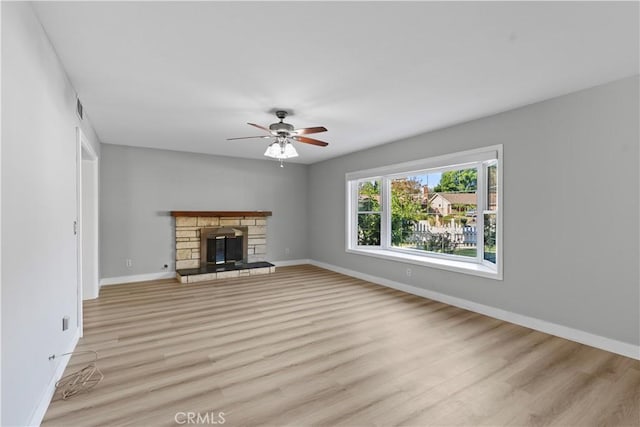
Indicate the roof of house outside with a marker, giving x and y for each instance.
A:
(458, 198)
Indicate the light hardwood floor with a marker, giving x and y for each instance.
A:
(306, 346)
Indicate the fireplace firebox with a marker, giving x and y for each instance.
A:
(223, 246)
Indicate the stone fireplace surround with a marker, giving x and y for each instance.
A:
(188, 226)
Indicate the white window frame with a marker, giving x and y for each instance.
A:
(477, 265)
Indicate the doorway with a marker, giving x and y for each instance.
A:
(87, 223)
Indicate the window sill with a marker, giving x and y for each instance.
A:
(441, 263)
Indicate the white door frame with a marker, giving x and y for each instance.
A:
(84, 147)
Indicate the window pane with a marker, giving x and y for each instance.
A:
(406, 209)
(490, 237)
(435, 212)
(369, 229)
(492, 187)
(369, 196)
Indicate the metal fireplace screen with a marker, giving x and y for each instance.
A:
(223, 245)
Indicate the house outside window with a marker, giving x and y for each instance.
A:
(441, 212)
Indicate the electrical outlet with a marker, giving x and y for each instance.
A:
(408, 272)
(287, 251)
(128, 262)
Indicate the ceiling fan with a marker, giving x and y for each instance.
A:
(283, 133)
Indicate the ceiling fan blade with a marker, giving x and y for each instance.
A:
(305, 131)
(249, 137)
(310, 141)
(259, 127)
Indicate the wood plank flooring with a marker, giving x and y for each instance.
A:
(306, 346)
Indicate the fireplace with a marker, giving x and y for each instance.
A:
(212, 245)
(223, 246)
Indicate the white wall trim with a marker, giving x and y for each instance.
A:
(608, 344)
(137, 278)
(289, 262)
(41, 409)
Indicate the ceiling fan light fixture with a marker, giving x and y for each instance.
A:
(290, 150)
(281, 150)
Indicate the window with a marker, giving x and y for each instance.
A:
(442, 212)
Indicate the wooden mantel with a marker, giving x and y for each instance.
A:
(220, 214)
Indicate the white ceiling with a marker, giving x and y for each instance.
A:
(187, 75)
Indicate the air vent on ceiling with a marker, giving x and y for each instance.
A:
(79, 109)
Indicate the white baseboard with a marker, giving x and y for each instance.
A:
(137, 278)
(289, 262)
(608, 344)
(43, 405)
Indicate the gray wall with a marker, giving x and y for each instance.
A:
(570, 210)
(139, 187)
(39, 282)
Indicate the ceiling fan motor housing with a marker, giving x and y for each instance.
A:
(282, 127)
